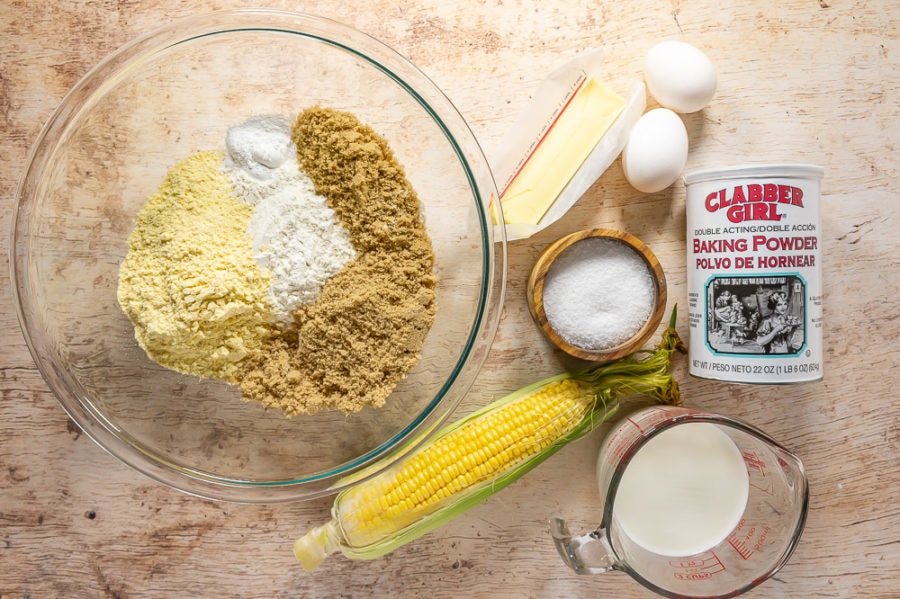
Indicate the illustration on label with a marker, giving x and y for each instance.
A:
(751, 315)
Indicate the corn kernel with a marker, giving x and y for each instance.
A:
(477, 451)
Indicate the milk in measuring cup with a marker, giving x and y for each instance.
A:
(684, 491)
(696, 504)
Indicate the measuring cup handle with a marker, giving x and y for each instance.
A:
(585, 554)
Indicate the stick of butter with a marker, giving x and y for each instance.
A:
(577, 130)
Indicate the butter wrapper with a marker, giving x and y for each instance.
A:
(536, 126)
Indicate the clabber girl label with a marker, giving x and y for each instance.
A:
(754, 273)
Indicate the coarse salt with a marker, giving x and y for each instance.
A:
(598, 293)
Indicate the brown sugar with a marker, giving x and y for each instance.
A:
(364, 333)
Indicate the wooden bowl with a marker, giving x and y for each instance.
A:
(535, 292)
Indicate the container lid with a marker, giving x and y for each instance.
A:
(802, 171)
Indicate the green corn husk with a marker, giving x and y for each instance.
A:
(607, 386)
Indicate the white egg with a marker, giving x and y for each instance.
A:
(656, 151)
(680, 76)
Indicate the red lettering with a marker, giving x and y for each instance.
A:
(782, 261)
(754, 194)
(758, 240)
(719, 246)
(744, 212)
(761, 211)
(784, 243)
(784, 194)
(754, 190)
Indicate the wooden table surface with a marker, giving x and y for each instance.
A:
(799, 81)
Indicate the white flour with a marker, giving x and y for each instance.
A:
(295, 234)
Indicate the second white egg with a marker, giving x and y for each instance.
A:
(656, 152)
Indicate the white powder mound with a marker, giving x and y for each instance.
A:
(295, 235)
(299, 239)
(258, 146)
(598, 293)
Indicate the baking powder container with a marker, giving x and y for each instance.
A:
(754, 273)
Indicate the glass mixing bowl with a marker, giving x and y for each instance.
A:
(107, 148)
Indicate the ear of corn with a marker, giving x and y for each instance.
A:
(477, 456)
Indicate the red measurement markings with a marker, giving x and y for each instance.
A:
(746, 540)
(757, 471)
(754, 463)
(650, 418)
(622, 441)
(746, 543)
(700, 567)
(739, 544)
(762, 538)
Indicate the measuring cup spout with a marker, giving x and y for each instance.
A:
(585, 554)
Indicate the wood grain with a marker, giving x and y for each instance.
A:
(799, 81)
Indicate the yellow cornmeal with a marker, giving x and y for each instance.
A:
(197, 298)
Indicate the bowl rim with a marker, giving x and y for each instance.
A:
(115, 441)
(535, 294)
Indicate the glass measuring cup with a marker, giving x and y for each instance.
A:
(760, 542)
